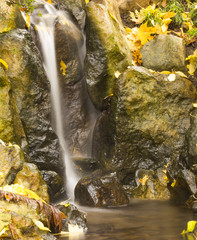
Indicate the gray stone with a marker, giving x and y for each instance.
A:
(164, 53)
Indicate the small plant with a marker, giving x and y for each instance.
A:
(24, 5)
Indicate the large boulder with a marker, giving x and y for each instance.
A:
(30, 177)
(55, 185)
(146, 123)
(11, 128)
(11, 163)
(100, 190)
(10, 17)
(164, 53)
(31, 90)
(76, 7)
(107, 49)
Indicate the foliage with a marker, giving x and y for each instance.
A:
(24, 5)
(192, 66)
(53, 214)
(163, 17)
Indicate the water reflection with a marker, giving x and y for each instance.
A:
(142, 220)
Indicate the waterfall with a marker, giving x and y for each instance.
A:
(44, 19)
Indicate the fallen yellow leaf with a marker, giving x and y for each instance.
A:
(49, 1)
(63, 67)
(4, 63)
(27, 20)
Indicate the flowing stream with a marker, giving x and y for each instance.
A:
(44, 19)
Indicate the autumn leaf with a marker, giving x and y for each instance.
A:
(145, 33)
(27, 20)
(191, 225)
(87, 1)
(143, 180)
(49, 1)
(4, 63)
(63, 67)
(194, 105)
(192, 63)
(41, 226)
(117, 74)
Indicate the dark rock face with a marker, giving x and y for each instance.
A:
(107, 50)
(184, 186)
(76, 7)
(55, 185)
(77, 110)
(31, 90)
(164, 53)
(100, 190)
(146, 123)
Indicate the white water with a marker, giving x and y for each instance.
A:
(45, 26)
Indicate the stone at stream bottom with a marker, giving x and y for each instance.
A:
(74, 217)
(100, 190)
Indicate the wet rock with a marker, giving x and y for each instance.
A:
(10, 17)
(11, 128)
(107, 49)
(55, 185)
(76, 105)
(77, 9)
(164, 53)
(151, 185)
(31, 178)
(146, 123)
(31, 90)
(75, 217)
(11, 163)
(85, 166)
(100, 190)
(183, 186)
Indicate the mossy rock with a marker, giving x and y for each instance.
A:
(31, 178)
(147, 123)
(11, 163)
(107, 49)
(30, 87)
(10, 17)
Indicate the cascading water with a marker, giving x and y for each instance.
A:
(44, 19)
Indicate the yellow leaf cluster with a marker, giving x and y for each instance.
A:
(192, 66)
(19, 189)
(137, 37)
